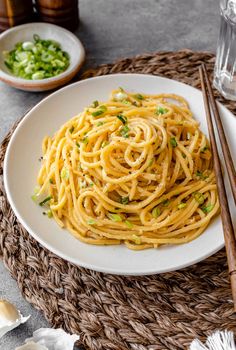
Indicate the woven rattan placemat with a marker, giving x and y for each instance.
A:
(112, 312)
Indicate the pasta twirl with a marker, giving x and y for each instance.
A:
(135, 170)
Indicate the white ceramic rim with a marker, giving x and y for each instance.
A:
(53, 249)
(8, 78)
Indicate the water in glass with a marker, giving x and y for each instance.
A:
(225, 66)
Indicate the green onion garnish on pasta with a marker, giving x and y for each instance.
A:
(65, 173)
(95, 104)
(156, 212)
(173, 142)
(182, 205)
(129, 224)
(91, 222)
(122, 118)
(114, 217)
(199, 197)
(207, 209)
(47, 199)
(49, 214)
(124, 200)
(137, 180)
(161, 110)
(125, 131)
(139, 97)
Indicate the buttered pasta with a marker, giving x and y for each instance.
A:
(135, 170)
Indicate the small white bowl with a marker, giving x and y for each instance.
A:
(69, 43)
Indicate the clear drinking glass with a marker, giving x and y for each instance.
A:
(225, 66)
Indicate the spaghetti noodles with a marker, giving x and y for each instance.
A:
(135, 170)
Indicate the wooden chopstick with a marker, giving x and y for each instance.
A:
(223, 141)
(230, 242)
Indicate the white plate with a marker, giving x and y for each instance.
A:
(22, 165)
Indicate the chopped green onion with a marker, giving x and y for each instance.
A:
(95, 104)
(65, 173)
(49, 214)
(208, 208)
(136, 239)
(199, 197)
(37, 60)
(125, 131)
(91, 184)
(126, 102)
(8, 65)
(51, 181)
(114, 217)
(97, 113)
(173, 142)
(72, 129)
(36, 190)
(200, 174)
(165, 203)
(124, 200)
(45, 200)
(77, 144)
(100, 123)
(150, 162)
(34, 197)
(27, 45)
(103, 108)
(161, 110)
(105, 143)
(204, 149)
(139, 97)
(91, 222)
(38, 75)
(156, 212)
(122, 118)
(182, 205)
(100, 111)
(85, 140)
(128, 224)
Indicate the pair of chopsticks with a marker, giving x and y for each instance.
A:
(230, 241)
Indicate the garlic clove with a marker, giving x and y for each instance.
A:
(52, 339)
(8, 311)
(10, 317)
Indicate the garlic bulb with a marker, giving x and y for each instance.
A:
(50, 339)
(10, 317)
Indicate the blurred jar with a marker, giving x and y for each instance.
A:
(14, 12)
(64, 13)
(225, 66)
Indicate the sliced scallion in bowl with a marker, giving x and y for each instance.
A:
(37, 59)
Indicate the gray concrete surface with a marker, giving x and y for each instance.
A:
(109, 30)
